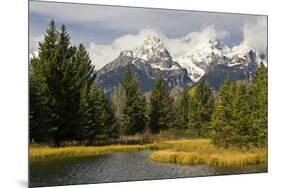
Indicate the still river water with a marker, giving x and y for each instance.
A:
(120, 167)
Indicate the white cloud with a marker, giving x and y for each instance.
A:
(180, 46)
(102, 54)
(34, 42)
(131, 20)
(255, 34)
(111, 17)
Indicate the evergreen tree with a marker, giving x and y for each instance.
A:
(259, 106)
(41, 114)
(98, 119)
(220, 124)
(57, 78)
(48, 46)
(181, 111)
(84, 68)
(160, 107)
(117, 101)
(240, 115)
(84, 77)
(37, 99)
(64, 94)
(201, 107)
(106, 118)
(133, 118)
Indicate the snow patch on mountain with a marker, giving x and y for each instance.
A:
(202, 56)
(152, 48)
(203, 50)
(194, 72)
(174, 67)
(127, 53)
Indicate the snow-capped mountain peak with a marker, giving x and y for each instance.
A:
(200, 56)
(152, 48)
(206, 54)
(128, 53)
(208, 57)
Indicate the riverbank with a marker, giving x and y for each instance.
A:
(201, 151)
(191, 152)
(46, 153)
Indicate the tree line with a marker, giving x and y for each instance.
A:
(66, 104)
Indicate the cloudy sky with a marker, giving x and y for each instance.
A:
(106, 30)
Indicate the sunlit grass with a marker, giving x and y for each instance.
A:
(191, 152)
(45, 153)
(201, 151)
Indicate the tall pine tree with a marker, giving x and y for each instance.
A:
(133, 118)
(201, 107)
(98, 122)
(41, 116)
(181, 111)
(160, 107)
(240, 115)
(259, 101)
(220, 124)
(57, 77)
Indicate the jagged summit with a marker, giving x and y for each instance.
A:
(201, 57)
(147, 62)
(153, 49)
(128, 53)
(205, 58)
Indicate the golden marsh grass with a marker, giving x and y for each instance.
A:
(45, 153)
(191, 152)
(201, 151)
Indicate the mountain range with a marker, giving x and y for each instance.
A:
(210, 60)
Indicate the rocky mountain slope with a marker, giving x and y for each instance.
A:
(210, 60)
(146, 62)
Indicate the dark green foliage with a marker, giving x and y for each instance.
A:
(201, 107)
(231, 118)
(117, 99)
(181, 111)
(240, 114)
(259, 104)
(223, 122)
(84, 67)
(40, 99)
(48, 47)
(98, 122)
(160, 107)
(59, 78)
(133, 118)
(64, 90)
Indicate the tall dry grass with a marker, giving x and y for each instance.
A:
(45, 153)
(201, 151)
(194, 151)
